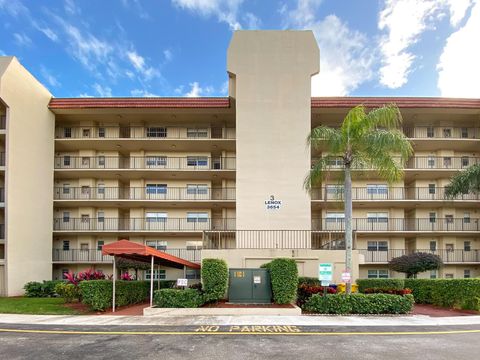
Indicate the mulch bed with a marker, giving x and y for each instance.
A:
(436, 311)
(224, 304)
(131, 310)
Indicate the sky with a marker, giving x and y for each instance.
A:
(92, 48)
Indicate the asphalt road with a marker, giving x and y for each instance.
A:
(224, 342)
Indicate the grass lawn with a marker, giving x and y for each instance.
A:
(37, 306)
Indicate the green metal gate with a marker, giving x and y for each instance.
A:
(249, 286)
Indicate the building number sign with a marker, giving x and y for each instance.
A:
(273, 204)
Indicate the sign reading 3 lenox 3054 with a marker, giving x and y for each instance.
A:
(273, 204)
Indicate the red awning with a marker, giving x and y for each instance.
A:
(134, 251)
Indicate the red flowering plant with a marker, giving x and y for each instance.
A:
(305, 291)
(126, 276)
(88, 274)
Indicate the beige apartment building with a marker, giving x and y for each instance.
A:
(223, 177)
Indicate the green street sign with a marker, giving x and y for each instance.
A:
(325, 272)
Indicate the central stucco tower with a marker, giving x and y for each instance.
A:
(270, 80)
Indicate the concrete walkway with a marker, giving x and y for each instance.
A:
(106, 320)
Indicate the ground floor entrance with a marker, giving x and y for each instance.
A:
(249, 286)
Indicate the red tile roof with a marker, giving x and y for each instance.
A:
(99, 103)
(402, 102)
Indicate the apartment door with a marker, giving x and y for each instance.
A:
(249, 286)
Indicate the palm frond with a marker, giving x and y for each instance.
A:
(318, 172)
(381, 142)
(464, 182)
(387, 116)
(331, 136)
(352, 123)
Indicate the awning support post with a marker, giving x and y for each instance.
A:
(151, 283)
(114, 279)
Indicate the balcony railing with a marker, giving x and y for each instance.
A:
(2, 231)
(442, 132)
(2, 195)
(417, 162)
(145, 162)
(3, 122)
(143, 193)
(2, 159)
(94, 255)
(143, 132)
(389, 193)
(399, 224)
(447, 256)
(142, 224)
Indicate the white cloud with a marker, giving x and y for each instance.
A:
(47, 32)
(138, 62)
(137, 6)
(196, 90)
(103, 91)
(50, 79)
(22, 39)
(167, 53)
(458, 66)
(142, 93)
(85, 95)
(13, 7)
(71, 8)
(345, 57)
(224, 10)
(458, 10)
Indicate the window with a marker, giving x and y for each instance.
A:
(101, 132)
(447, 133)
(377, 189)
(377, 246)
(466, 218)
(431, 162)
(467, 246)
(448, 276)
(156, 161)
(66, 160)
(197, 217)
(156, 189)
(197, 161)
(100, 244)
(158, 274)
(101, 216)
(447, 161)
(335, 190)
(335, 217)
(65, 273)
(466, 274)
(157, 132)
(101, 189)
(66, 189)
(192, 274)
(197, 189)
(159, 245)
(433, 245)
(430, 132)
(156, 217)
(335, 161)
(67, 132)
(465, 161)
(197, 133)
(449, 247)
(86, 132)
(431, 189)
(66, 245)
(377, 274)
(66, 216)
(101, 161)
(464, 132)
(432, 217)
(449, 219)
(85, 218)
(85, 190)
(85, 161)
(379, 217)
(84, 247)
(433, 274)
(194, 245)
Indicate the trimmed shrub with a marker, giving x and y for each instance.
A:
(360, 304)
(380, 284)
(453, 293)
(391, 292)
(284, 279)
(311, 281)
(98, 293)
(214, 279)
(68, 292)
(412, 264)
(41, 289)
(305, 291)
(178, 298)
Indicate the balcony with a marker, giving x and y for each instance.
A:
(2, 231)
(442, 132)
(399, 225)
(3, 122)
(143, 132)
(336, 193)
(2, 159)
(141, 224)
(95, 256)
(189, 163)
(447, 256)
(143, 193)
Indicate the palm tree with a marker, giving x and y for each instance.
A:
(370, 140)
(464, 182)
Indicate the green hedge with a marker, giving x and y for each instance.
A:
(284, 279)
(360, 304)
(453, 293)
(98, 293)
(214, 279)
(178, 298)
(41, 289)
(380, 284)
(68, 292)
(310, 281)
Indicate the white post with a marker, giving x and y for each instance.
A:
(151, 284)
(114, 278)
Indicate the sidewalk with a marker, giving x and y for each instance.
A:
(117, 320)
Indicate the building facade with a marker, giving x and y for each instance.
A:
(223, 177)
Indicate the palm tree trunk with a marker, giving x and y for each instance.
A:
(348, 226)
